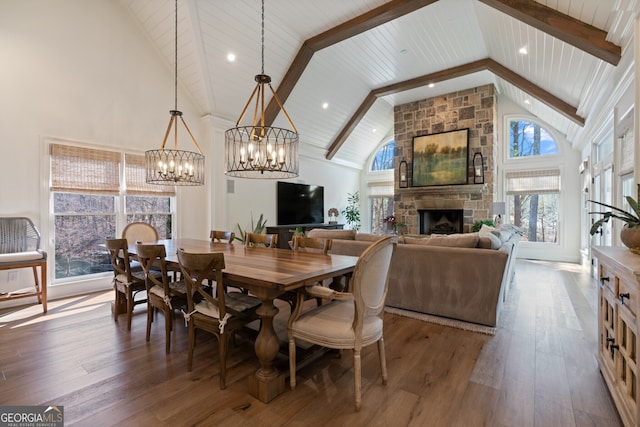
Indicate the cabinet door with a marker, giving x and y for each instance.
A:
(626, 358)
(608, 325)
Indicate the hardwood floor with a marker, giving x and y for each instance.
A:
(538, 370)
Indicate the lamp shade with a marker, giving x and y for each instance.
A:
(498, 208)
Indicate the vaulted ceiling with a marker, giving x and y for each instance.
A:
(363, 57)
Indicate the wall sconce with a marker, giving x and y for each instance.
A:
(404, 178)
(478, 168)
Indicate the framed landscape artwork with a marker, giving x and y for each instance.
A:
(441, 158)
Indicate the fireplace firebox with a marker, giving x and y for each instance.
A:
(441, 221)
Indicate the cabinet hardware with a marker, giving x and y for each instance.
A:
(604, 279)
(613, 347)
(623, 296)
(611, 340)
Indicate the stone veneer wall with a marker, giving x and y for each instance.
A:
(474, 109)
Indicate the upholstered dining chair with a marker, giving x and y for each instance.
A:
(162, 294)
(259, 239)
(218, 236)
(127, 283)
(220, 315)
(139, 232)
(353, 319)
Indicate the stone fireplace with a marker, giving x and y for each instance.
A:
(421, 208)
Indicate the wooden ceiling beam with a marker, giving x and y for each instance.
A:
(375, 17)
(537, 92)
(566, 28)
(461, 70)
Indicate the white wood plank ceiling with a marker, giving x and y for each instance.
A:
(444, 34)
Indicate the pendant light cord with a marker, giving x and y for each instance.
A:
(175, 84)
(262, 36)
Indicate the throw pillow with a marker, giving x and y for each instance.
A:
(416, 240)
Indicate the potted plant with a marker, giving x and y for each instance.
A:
(256, 229)
(630, 233)
(352, 211)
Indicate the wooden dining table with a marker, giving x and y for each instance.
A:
(266, 273)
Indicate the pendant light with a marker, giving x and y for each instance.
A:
(260, 151)
(174, 166)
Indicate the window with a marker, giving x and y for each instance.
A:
(380, 205)
(384, 157)
(533, 198)
(86, 190)
(529, 139)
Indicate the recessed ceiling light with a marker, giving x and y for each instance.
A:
(526, 101)
(374, 130)
(231, 57)
(431, 85)
(523, 50)
(325, 105)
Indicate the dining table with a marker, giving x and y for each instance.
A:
(266, 273)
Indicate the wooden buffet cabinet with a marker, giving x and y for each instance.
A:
(619, 281)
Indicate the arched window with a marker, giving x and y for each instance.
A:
(384, 157)
(532, 188)
(529, 139)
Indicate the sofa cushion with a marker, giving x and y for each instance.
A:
(468, 240)
(367, 237)
(332, 234)
(416, 240)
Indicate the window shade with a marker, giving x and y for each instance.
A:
(86, 170)
(527, 182)
(135, 175)
(380, 189)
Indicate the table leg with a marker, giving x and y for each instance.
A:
(267, 382)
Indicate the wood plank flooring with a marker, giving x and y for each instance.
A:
(538, 370)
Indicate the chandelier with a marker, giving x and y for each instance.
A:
(260, 151)
(173, 166)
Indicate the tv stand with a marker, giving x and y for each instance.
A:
(285, 235)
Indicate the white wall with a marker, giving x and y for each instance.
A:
(258, 196)
(82, 71)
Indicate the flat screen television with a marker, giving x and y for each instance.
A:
(300, 203)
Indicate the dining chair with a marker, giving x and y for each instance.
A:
(127, 283)
(260, 239)
(162, 294)
(218, 236)
(311, 245)
(352, 320)
(220, 315)
(139, 232)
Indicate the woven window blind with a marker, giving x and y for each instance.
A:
(380, 189)
(84, 170)
(527, 182)
(135, 175)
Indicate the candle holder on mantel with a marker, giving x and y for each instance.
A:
(403, 176)
(478, 168)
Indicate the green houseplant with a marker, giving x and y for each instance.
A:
(258, 228)
(478, 224)
(352, 211)
(630, 233)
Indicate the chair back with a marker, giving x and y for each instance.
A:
(150, 256)
(198, 267)
(119, 256)
(218, 236)
(255, 239)
(371, 278)
(311, 244)
(139, 232)
(18, 234)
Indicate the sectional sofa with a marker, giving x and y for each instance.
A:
(460, 276)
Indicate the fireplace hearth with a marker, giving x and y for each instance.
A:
(441, 221)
